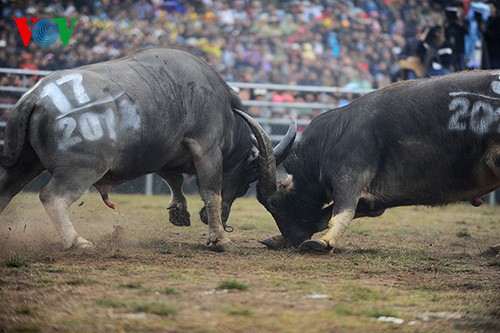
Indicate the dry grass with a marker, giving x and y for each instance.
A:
(418, 264)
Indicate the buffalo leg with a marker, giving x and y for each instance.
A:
(367, 208)
(347, 201)
(216, 236)
(208, 165)
(343, 212)
(64, 189)
(177, 208)
(493, 161)
(336, 228)
(14, 179)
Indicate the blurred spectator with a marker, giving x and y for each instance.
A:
(434, 54)
(27, 62)
(349, 43)
(492, 37)
(259, 95)
(477, 16)
(241, 38)
(143, 10)
(455, 32)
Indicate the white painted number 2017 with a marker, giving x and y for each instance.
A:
(479, 118)
(92, 126)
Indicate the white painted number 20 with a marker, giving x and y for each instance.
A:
(479, 119)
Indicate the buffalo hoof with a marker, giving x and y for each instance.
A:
(314, 245)
(277, 242)
(81, 244)
(179, 216)
(221, 245)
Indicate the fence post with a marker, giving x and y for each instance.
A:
(148, 186)
(491, 198)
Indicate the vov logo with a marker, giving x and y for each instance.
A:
(44, 31)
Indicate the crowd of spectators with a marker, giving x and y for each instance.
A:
(354, 44)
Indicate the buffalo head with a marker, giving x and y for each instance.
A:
(298, 216)
(237, 179)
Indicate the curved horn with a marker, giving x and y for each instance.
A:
(283, 148)
(267, 161)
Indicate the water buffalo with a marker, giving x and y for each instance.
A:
(158, 110)
(423, 142)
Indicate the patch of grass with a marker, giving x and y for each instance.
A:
(163, 248)
(493, 263)
(118, 254)
(248, 226)
(184, 275)
(436, 268)
(107, 302)
(185, 255)
(457, 243)
(24, 310)
(45, 280)
(17, 261)
(25, 329)
(130, 285)
(378, 312)
(177, 250)
(55, 269)
(234, 310)
(363, 293)
(494, 312)
(80, 281)
(169, 291)
(156, 290)
(463, 233)
(428, 286)
(466, 286)
(343, 310)
(233, 285)
(360, 231)
(158, 308)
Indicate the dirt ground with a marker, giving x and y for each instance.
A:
(414, 269)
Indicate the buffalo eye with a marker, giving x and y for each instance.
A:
(273, 203)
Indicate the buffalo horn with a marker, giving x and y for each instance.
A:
(283, 148)
(266, 160)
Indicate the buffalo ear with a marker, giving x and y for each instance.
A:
(286, 183)
(253, 154)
